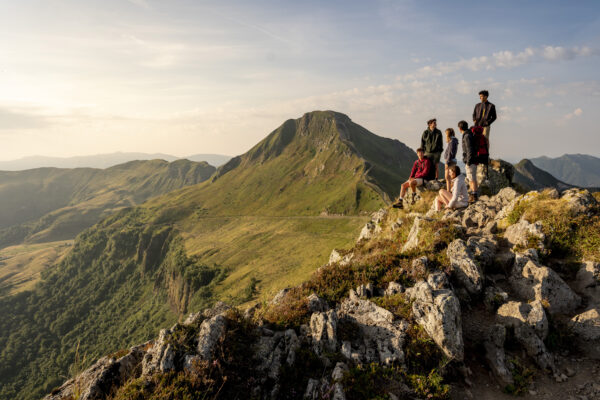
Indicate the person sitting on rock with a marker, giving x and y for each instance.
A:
(469, 158)
(458, 197)
(450, 155)
(421, 171)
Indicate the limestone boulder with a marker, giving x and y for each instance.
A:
(587, 324)
(464, 266)
(412, 242)
(323, 328)
(544, 285)
(525, 235)
(211, 332)
(580, 201)
(272, 352)
(514, 313)
(380, 336)
(587, 282)
(373, 227)
(160, 357)
(438, 312)
(495, 355)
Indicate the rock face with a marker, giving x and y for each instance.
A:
(438, 312)
(336, 257)
(530, 327)
(160, 357)
(98, 380)
(494, 353)
(323, 328)
(544, 285)
(373, 227)
(464, 267)
(272, 352)
(587, 324)
(413, 236)
(381, 337)
(500, 175)
(580, 201)
(587, 282)
(524, 234)
(211, 331)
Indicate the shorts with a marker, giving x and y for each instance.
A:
(434, 157)
(419, 181)
(471, 172)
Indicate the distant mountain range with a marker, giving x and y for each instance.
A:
(49, 204)
(530, 177)
(102, 160)
(576, 169)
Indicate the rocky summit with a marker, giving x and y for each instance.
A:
(499, 298)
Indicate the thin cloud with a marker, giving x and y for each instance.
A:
(504, 59)
(576, 113)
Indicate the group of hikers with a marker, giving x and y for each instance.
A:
(475, 151)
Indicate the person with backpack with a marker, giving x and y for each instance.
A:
(484, 115)
(421, 172)
(450, 155)
(432, 144)
(458, 196)
(469, 158)
(481, 147)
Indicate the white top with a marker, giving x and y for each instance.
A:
(460, 194)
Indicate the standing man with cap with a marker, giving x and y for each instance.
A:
(432, 144)
(484, 115)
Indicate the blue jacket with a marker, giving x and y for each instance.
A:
(451, 149)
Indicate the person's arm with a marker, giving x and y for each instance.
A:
(439, 145)
(491, 115)
(468, 138)
(453, 149)
(414, 170)
(423, 141)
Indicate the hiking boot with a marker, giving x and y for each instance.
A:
(398, 204)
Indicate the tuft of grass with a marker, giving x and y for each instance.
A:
(522, 377)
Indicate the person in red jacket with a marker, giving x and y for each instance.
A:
(422, 171)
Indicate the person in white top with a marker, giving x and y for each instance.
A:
(459, 197)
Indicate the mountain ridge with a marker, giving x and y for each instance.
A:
(581, 170)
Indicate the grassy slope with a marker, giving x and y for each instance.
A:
(262, 216)
(50, 204)
(21, 266)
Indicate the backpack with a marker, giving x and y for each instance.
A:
(480, 145)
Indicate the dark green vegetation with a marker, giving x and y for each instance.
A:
(577, 169)
(49, 204)
(267, 219)
(530, 177)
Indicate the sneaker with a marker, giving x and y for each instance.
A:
(398, 204)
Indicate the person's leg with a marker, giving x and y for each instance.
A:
(472, 177)
(413, 185)
(436, 163)
(486, 133)
(445, 196)
(438, 204)
(404, 188)
(447, 176)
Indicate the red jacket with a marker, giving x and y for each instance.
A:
(421, 169)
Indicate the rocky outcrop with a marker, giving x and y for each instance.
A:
(544, 285)
(464, 266)
(587, 282)
(580, 201)
(160, 357)
(323, 328)
(499, 175)
(495, 355)
(525, 235)
(438, 312)
(587, 324)
(102, 377)
(381, 337)
(373, 227)
(336, 257)
(211, 331)
(274, 350)
(412, 242)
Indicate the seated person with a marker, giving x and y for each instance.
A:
(422, 171)
(459, 197)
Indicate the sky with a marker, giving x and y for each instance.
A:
(80, 77)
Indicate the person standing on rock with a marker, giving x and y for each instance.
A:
(450, 155)
(458, 196)
(421, 171)
(433, 144)
(484, 115)
(469, 158)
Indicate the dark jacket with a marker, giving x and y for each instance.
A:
(468, 148)
(451, 149)
(490, 114)
(432, 142)
(421, 169)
